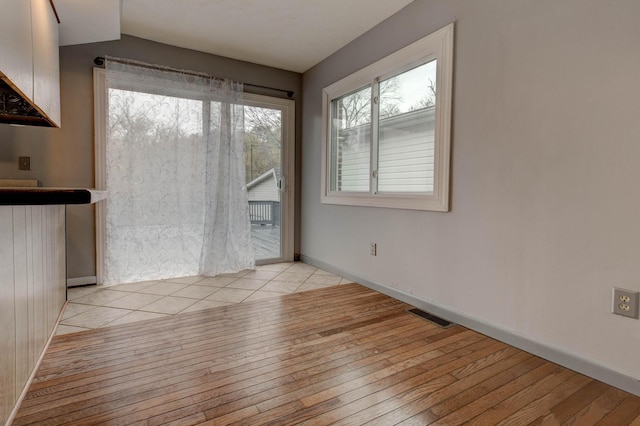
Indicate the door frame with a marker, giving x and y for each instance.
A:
(287, 222)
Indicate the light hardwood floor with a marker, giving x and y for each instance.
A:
(343, 354)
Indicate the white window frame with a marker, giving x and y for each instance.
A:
(438, 46)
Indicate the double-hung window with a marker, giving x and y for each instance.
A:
(387, 130)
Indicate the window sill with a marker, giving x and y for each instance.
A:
(400, 201)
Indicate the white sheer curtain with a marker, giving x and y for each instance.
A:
(177, 201)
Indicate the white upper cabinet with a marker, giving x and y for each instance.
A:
(29, 58)
(16, 55)
(46, 62)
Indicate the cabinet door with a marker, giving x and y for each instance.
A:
(16, 60)
(46, 67)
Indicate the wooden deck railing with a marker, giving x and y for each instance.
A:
(264, 212)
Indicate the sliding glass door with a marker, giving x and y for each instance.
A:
(269, 161)
(151, 153)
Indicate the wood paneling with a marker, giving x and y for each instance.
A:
(32, 292)
(21, 302)
(7, 316)
(344, 354)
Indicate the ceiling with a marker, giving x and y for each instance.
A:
(87, 21)
(289, 34)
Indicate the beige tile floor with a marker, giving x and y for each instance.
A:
(102, 306)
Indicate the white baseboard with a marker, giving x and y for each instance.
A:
(572, 361)
(76, 282)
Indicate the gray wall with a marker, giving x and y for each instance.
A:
(64, 157)
(545, 177)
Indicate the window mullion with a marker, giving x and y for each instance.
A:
(375, 114)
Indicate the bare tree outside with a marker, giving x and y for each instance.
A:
(355, 109)
(152, 118)
(429, 100)
(143, 127)
(395, 98)
(263, 140)
(130, 120)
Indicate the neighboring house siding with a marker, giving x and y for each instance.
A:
(354, 170)
(264, 191)
(406, 154)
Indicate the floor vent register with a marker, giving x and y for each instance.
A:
(430, 317)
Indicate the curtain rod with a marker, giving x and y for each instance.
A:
(99, 60)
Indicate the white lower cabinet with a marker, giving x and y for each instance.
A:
(32, 291)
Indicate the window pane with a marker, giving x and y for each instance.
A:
(263, 162)
(154, 157)
(406, 131)
(351, 142)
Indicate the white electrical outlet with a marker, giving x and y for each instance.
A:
(625, 302)
(373, 249)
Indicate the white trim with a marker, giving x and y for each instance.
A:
(556, 355)
(100, 108)
(287, 171)
(439, 46)
(79, 281)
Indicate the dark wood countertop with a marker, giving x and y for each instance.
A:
(43, 196)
